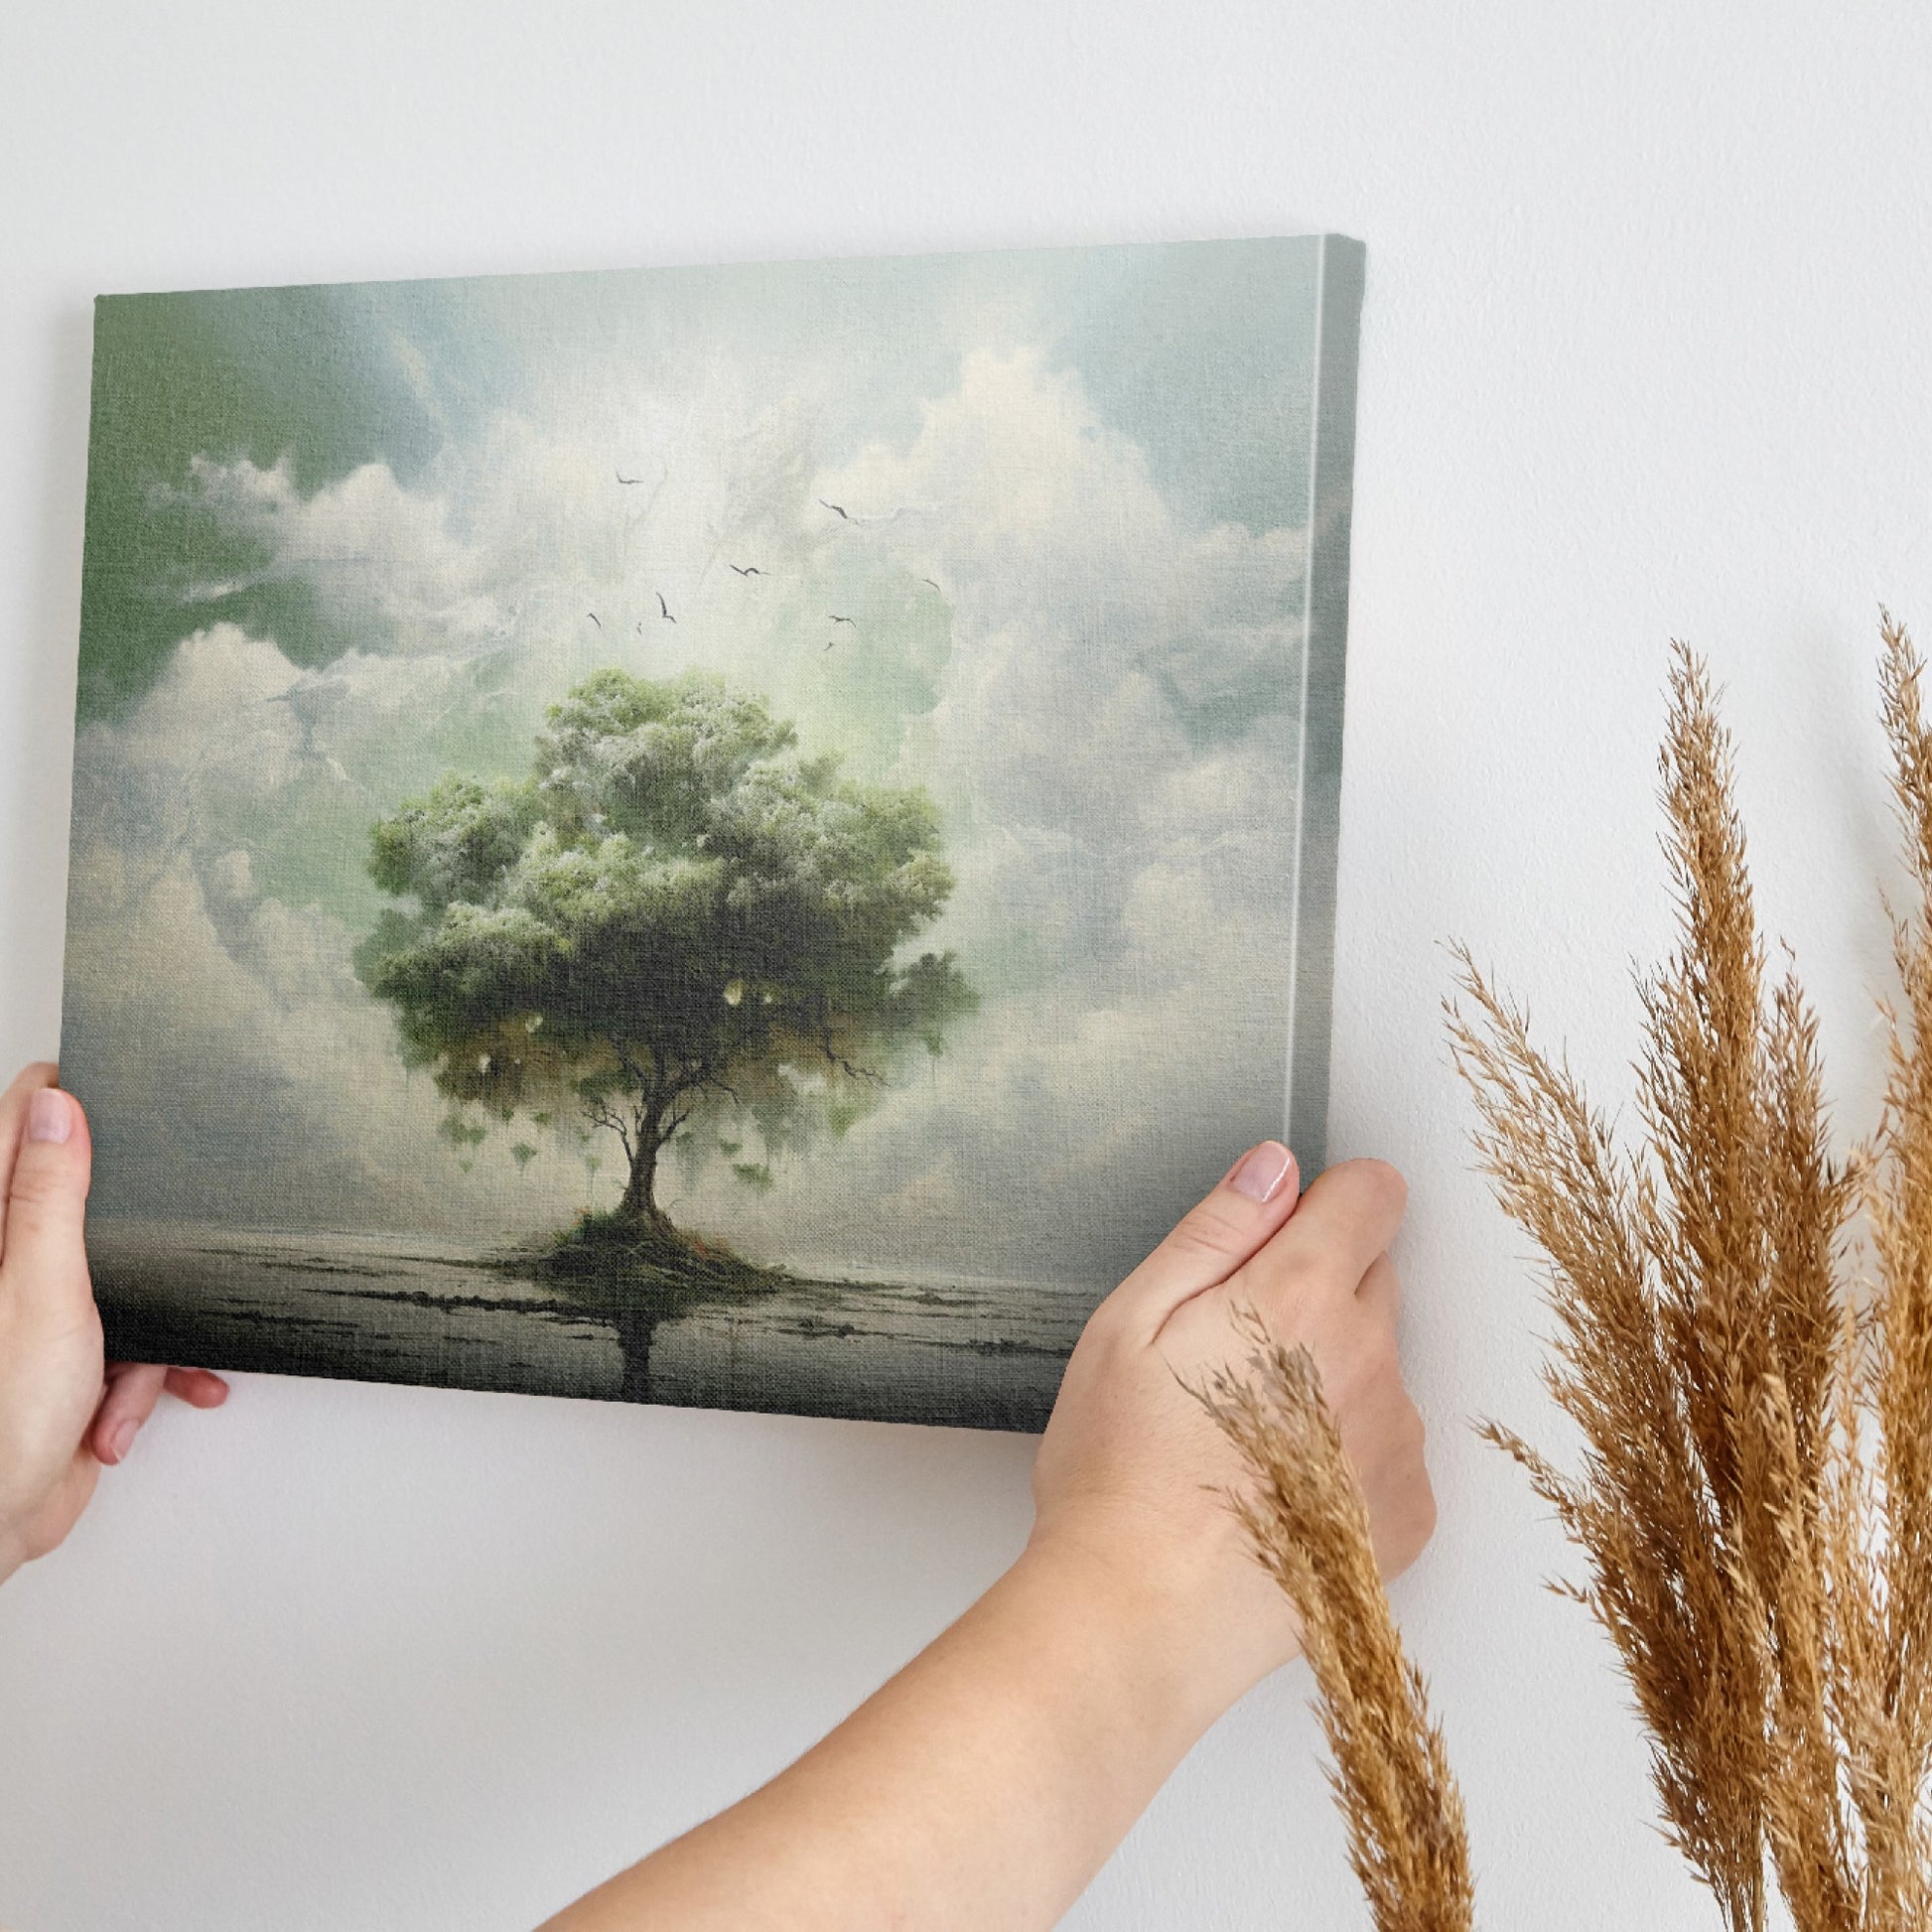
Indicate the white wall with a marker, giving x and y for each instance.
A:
(1645, 352)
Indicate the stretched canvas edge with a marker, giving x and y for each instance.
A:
(90, 515)
(1339, 275)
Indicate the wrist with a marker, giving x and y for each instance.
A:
(1164, 1642)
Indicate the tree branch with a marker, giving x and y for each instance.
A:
(839, 1061)
(631, 1069)
(723, 1085)
(602, 1114)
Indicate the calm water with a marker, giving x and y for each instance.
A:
(400, 1309)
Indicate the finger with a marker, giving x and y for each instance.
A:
(132, 1392)
(1347, 1217)
(13, 1124)
(1396, 1472)
(200, 1388)
(43, 1271)
(1254, 1197)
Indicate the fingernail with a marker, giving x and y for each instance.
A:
(50, 1115)
(1263, 1171)
(122, 1439)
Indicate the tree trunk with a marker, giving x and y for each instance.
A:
(639, 1204)
(636, 1322)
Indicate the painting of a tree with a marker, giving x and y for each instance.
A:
(677, 910)
(738, 837)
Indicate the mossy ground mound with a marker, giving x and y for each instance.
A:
(615, 1261)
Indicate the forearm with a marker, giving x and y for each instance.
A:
(990, 1779)
(984, 1785)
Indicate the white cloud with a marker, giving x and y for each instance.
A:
(381, 559)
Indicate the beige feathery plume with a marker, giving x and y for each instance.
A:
(1754, 1498)
(1308, 1524)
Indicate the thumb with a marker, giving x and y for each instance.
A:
(43, 1263)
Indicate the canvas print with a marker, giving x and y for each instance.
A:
(743, 837)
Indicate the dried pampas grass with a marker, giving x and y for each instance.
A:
(1755, 1497)
(1754, 1391)
(1308, 1525)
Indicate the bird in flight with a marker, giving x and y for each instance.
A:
(928, 580)
(747, 570)
(664, 609)
(623, 479)
(839, 620)
(595, 618)
(837, 509)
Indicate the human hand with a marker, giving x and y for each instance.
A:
(1131, 1476)
(63, 1410)
(1043, 1719)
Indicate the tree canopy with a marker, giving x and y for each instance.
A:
(677, 909)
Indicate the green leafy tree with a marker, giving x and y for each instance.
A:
(678, 908)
